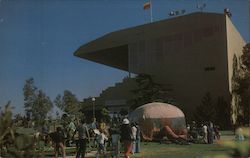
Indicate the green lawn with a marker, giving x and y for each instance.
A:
(156, 150)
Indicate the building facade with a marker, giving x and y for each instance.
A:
(191, 55)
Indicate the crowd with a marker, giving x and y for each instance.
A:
(118, 136)
(205, 133)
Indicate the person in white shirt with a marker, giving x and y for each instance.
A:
(204, 130)
(101, 139)
(134, 132)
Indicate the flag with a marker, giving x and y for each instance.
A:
(146, 5)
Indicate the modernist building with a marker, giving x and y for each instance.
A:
(191, 54)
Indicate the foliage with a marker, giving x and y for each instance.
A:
(241, 149)
(148, 91)
(123, 112)
(240, 87)
(68, 102)
(206, 110)
(42, 106)
(29, 92)
(36, 103)
(105, 114)
(13, 144)
(222, 113)
(246, 56)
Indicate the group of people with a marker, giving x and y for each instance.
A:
(208, 132)
(100, 136)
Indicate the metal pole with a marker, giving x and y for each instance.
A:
(151, 11)
(249, 22)
(93, 102)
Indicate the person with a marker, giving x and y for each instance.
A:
(210, 133)
(83, 136)
(70, 131)
(93, 124)
(239, 135)
(58, 142)
(92, 131)
(217, 132)
(126, 137)
(138, 139)
(101, 138)
(204, 131)
(115, 140)
(134, 131)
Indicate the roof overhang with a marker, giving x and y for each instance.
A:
(112, 49)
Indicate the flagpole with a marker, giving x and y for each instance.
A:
(151, 11)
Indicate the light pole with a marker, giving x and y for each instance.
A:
(93, 102)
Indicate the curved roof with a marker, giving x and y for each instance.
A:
(156, 110)
(112, 49)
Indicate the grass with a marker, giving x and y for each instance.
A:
(156, 150)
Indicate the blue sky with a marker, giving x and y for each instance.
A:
(38, 39)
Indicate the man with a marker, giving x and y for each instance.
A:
(83, 135)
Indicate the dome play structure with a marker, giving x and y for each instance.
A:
(157, 120)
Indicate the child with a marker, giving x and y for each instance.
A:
(101, 138)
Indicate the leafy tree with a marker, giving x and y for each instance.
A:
(105, 114)
(68, 103)
(222, 113)
(123, 112)
(29, 92)
(244, 83)
(42, 105)
(240, 88)
(246, 56)
(148, 91)
(36, 103)
(58, 102)
(12, 144)
(205, 111)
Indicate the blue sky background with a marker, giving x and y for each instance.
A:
(38, 39)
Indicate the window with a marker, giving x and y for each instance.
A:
(211, 68)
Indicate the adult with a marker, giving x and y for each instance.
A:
(58, 142)
(83, 136)
(210, 133)
(70, 131)
(138, 139)
(134, 131)
(126, 137)
(217, 132)
(204, 131)
(115, 140)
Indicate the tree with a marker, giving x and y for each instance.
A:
(123, 112)
(205, 111)
(12, 144)
(246, 56)
(58, 102)
(105, 114)
(244, 83)
(240, 88)
(36, 103)
(29, 92)
(42, 105)
(222, 115)
(68, 103)
(148, 91)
